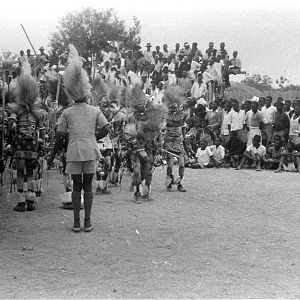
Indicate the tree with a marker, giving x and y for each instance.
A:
(260, 82)
(90, 31)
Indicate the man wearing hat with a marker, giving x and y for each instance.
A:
(254, 154)
(148, 54)
(187, 49)
(42, 61)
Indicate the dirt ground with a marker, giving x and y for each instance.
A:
(234, 234)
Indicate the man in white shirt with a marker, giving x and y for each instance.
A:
(198, 89)
(236, 121)
(255, 153)
(218, 153)
(268, 113)
(148, 54)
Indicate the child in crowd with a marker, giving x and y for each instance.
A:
(274, 152)
(203, 156)
(218, 154)
(289, 160)
(254, 154)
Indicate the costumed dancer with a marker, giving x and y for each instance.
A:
(174, 135)
(82, 121)
(105, 97)
(148, 123)
(57, 94)
(25, 127)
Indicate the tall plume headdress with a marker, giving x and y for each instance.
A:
(76, 80)
(173, 95)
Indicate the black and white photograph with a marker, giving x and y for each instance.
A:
(149, 149)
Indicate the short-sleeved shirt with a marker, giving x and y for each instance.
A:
(81, 121)
(218, 153)
(261, 150)
(203, 156)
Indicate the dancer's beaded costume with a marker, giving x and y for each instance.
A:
(174, 135)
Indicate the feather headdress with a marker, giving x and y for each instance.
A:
(76, 80)
(27, 89)
(27, 97)
(173, 95)
(136, 97)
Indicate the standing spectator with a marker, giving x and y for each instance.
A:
(288, 109)
(211, 51)
(225, 123)
(236, 121)
(212, 70)
(187, 49)
(176, 51)
(180, 66)
(158, 52)
(195, 67)
(268, 113)
(165, 52)
(199, 89)
(295, 124)
(281, 124)
(148, 54)
(254, 122)
(195, 52)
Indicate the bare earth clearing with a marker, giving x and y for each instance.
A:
(234, 234)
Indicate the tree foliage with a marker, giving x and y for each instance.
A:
(260, 82)
(91, 30)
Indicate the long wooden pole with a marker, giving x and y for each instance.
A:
(28, 39)
(3, 107)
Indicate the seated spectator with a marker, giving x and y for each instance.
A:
(273, 154)
(234, 150)
(205, 133)
(203, 156)
(289, 160)
(254, 154)
(218, 154)
(235, 66)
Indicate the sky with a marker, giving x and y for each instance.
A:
(266, 34)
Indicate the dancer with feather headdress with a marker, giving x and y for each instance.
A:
(110, 99)
(173, 141)
(146, 131)
(83, 122)
(25, 127)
